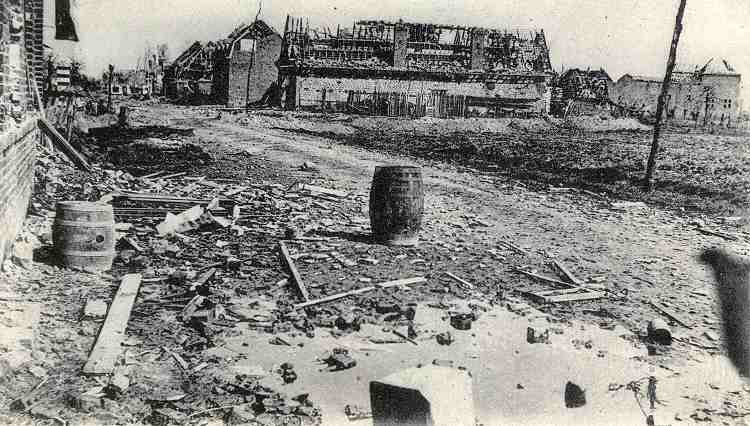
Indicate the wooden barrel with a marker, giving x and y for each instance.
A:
(396, 204)
(84, 235)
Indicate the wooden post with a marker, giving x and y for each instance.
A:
(109, 94)
(663, 95)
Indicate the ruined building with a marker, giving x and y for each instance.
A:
(234, 71)
(397, 68)
(581, 92)
(709, 94)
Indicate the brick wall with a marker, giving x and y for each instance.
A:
(17, 158)
(263, 72)
(19, 58)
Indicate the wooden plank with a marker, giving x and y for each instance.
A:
(568, 276)
(559, 291)
(405, 281)
(671, 315)
(151, 175)
(546, 279)
(514, 247)
(107, 348)
(578, 297)
(322, 190)
(293, 270)
(64, 145)
(387, 284)
(724, 235)
(465, 283)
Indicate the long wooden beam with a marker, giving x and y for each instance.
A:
(108, 344)
(334, 297)
(293, 270)
(75, 156)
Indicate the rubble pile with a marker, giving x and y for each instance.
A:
(232, 250)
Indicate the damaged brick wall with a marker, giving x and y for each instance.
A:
(309, 90)
(17, 158)
(712, 99)
(261, 66)
(19, 59)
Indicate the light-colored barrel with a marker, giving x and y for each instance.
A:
(84, 235)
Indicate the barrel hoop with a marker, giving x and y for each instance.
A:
(73, 206)
(108, 224)
(77, 253)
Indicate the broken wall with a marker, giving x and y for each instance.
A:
(17, 158)
(251, 73)
(309, 91)
(712, 99)
(19, 55)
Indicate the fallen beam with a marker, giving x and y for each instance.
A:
(64, 145)
(671, 315)
(108, 344)
(293, 270)
(724, 235)
(465, 283)
(546, 279)
(164, 198)
(569, 277)
(387, 284)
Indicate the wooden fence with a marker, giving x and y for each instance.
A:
(398, 104)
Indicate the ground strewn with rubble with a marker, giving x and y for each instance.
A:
(214, 323)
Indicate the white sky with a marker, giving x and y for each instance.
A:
(622, 36)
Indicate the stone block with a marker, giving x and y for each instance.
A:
(430, 395)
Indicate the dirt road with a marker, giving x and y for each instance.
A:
(644, 254)
(639, 257)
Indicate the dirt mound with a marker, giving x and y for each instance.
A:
(604, 124)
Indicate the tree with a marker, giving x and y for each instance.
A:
(663, 95)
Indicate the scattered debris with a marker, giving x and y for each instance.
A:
(575, 396)
(445, 338)
(462, 321)
(339, 359)
(658, 332)
(532, 336)
(355, 412)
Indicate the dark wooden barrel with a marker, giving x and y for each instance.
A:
(84, 235)
(396, 204)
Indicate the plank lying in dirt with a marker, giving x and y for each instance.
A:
(514, 248)
(64, 145)
(463, 282)
(573, 297)
(163, 198)
(576, 294)
(671, 315)
(387, 284)
(569, 277)
(545, 279)
(293, 270)
(107, 348)
(714, 233)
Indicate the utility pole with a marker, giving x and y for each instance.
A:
(708, 100)
(663, 95)
(109, 87)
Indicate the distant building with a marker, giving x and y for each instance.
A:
(415, 69)
(132, 83)
(709, 94)
(235, 71)
(585, 91)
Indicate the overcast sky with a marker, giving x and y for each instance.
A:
(622, 36)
